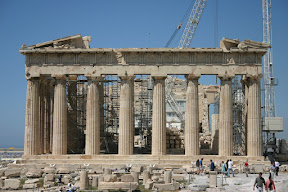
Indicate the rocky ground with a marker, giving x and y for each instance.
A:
(42, 177)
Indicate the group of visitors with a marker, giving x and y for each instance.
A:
(260, 181)
(227, 167)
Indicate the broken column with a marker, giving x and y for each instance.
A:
(226, 116)
(159, 117)
(254, 130)
(32, 117)
(192, 116)
(60, 117)
(168, 177)
(126, 116)
(93, 117)
(83, 180)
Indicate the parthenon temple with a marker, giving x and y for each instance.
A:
(94, 104)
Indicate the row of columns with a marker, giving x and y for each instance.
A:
(43, 136)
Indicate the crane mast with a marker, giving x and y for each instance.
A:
(269, 80)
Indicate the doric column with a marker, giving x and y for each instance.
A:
(159, 117)
(126, 116)
(41, 116)
(32, 118)
(226, 116)
(192, 116)
(60, 117)
(51, 87)
(47, 118)
(93, 117)
(254, 129)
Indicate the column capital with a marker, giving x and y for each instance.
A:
(192, 76)
(59, 77)
(94, 78)
(72, 77)
(226, 77)
(255, 77)
(33, 78)
(127, 77)
(159, 77)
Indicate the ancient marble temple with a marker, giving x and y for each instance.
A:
(50, 64)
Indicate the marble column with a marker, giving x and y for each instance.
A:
(32, 117)
(60, 117)
(254, 129)
(47, 118)
(226, 116)
(93, 117)
(159, 117)
(126, 116)
(192, 116)
(51, 88)
(41, 116)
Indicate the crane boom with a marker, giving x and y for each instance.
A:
(192, 23)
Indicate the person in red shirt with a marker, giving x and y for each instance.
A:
(269, 185)
(246, 168)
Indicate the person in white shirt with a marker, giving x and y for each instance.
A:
(277, 165)
(230, 168)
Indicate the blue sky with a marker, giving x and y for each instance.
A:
(127, 23)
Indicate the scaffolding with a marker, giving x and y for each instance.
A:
(239, 130)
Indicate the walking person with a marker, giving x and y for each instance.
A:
(270, 185)
(277, 165)
(227, 164)
(223, 168)
(272, 170)
(230, 168)
(201, 165)
(246, 168)
(259, 182)
(197, 166)
(212, 165)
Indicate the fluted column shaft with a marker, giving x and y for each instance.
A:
(126, 116)
(47, 117)
(93, 117)
(159, 117)
(60, 118)
(254, 130)
(192, 117)
(226, 117)
(51, 87)
(41, 116)
(32, 118)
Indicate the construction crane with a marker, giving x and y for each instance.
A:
(185, 42)
(269, 80)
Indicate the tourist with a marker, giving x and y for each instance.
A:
(259, 182)
(71, 188)
(197, 166)
(60, 180)
(270, 185)
(201, 165)
(223, 170)
(230, 168)
(246, 168)
(212, 165)
(272, 170)
(227, 164)
(277, 165)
